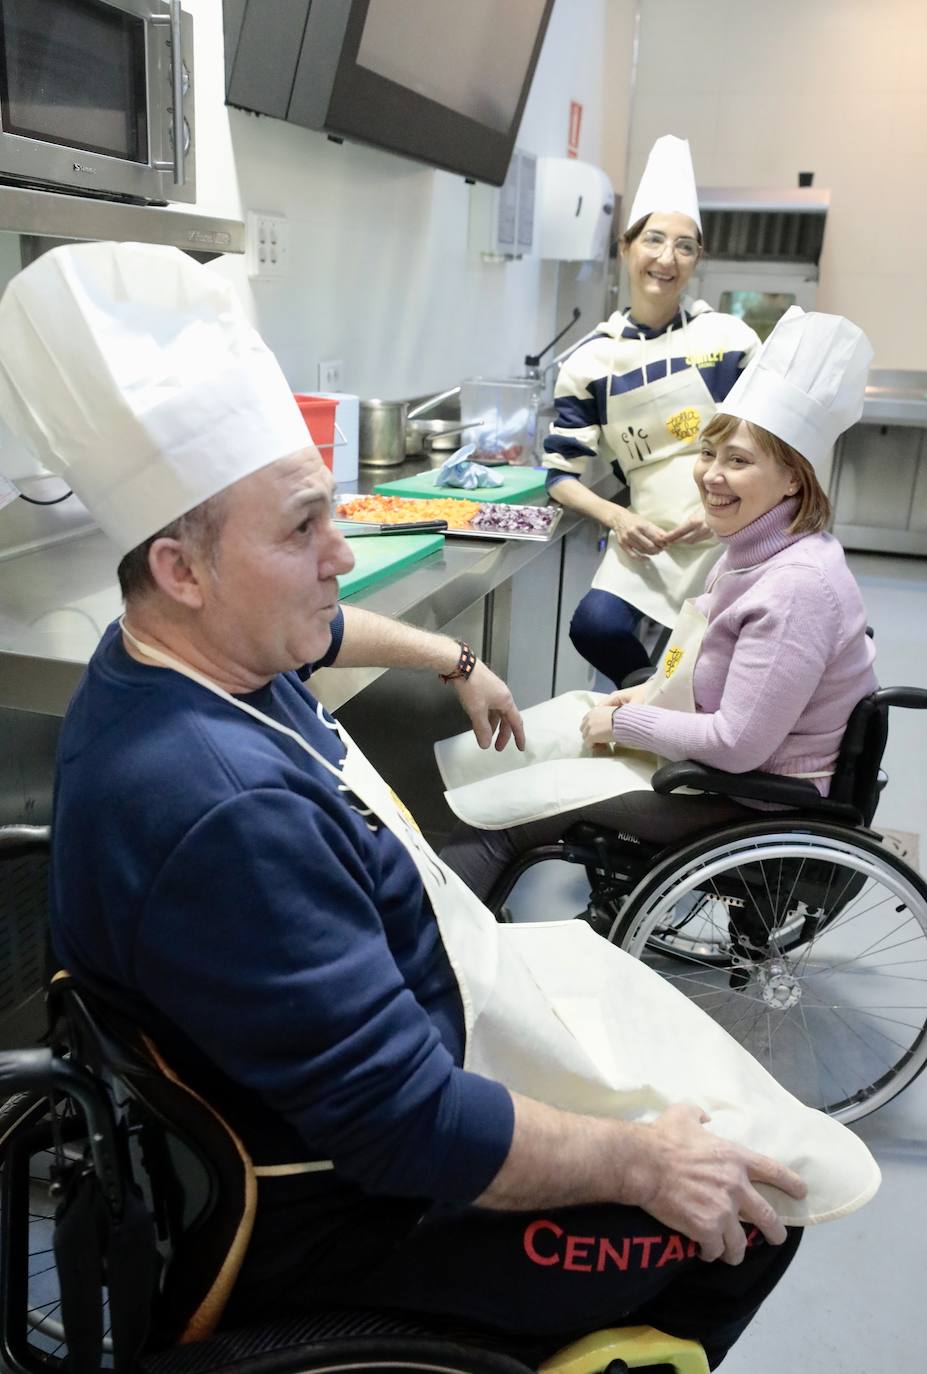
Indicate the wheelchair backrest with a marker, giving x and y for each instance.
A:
(197, 1173)
(856, 776)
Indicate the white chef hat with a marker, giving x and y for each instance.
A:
(134, 373)
(668, 184)
(806, 384)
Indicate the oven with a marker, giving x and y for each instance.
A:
(96, 98)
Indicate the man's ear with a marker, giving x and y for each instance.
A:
(176, 573)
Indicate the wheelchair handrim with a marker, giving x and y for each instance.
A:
(785, 973)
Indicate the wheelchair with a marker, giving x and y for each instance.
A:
(126, 1203)
(799, 932)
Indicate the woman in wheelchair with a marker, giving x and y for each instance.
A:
(761, 892)
(763, 670)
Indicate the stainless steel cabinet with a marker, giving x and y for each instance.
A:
(879, 489)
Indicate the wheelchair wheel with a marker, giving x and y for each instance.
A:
(815, 955)
(31, 1318)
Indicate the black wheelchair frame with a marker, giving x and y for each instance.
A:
(760, 919)
(130, 1197)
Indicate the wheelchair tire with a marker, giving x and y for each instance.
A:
(817, 954)
(32, 1330)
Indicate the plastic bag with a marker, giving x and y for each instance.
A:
(458, 471)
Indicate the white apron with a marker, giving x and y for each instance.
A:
(557, 772)
(553, 1011)
(652, 432)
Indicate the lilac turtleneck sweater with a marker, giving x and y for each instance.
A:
(784, 660)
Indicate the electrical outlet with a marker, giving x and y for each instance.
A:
(330, 375)
(268, 244)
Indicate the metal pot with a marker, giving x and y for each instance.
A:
(430, 420)
(382, 433)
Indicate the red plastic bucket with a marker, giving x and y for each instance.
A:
(319, 415)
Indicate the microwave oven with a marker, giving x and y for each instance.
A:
(96, 98)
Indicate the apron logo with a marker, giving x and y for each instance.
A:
(685, 424)
(672, 660)
(405, 813)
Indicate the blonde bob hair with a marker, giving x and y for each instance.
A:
(813, 514)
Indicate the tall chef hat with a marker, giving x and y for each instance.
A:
(807, 382)
(668, 184)
(133, 372)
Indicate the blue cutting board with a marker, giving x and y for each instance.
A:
(518, 484)
(377, 556)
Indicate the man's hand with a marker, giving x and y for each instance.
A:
(702, 1185)
(491, 708)
(691, 531)
(637, 536)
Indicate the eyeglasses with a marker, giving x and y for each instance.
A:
(683, 248)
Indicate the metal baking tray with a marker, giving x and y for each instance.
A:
(540, 536)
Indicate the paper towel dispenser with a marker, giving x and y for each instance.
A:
(575, 205)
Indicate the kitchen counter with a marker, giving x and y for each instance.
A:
(55, 603)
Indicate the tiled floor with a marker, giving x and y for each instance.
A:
(850, 1303)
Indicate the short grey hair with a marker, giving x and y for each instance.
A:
(199, 528)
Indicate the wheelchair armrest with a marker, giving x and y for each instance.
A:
(912, 697)
(753, 786)
(637, 677)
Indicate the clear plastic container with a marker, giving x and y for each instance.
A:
(508, 410)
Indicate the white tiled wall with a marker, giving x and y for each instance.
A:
(837, 87)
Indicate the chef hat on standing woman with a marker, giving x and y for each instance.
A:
(668, 184)
(806, 384)
(133, 372)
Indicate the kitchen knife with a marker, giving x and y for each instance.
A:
(353, 529)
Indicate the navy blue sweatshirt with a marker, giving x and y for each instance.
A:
(209, 878)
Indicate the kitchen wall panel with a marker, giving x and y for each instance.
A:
(381, 275)
(831, 86)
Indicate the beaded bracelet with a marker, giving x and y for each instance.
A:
(466, 662)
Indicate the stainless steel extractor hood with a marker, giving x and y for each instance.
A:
(749, 224)
(54, 215)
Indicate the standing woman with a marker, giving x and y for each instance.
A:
(646, 383)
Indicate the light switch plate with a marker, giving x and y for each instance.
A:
(268, 244)
(330, 375)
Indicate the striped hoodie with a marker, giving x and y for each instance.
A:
(624, 356)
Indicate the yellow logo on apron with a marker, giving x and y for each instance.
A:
(672, 661)
(404, 812)
(685, 424)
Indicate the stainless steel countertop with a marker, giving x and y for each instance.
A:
(56, 602)
(895, 398)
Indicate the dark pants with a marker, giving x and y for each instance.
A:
(603, 630)
(556, 1274)
(480, 857)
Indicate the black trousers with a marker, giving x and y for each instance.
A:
(557, 1274)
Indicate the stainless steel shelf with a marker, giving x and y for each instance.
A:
(50, 214)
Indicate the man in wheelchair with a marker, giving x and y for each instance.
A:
(231, 877)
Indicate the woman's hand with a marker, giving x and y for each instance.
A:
(596, 727)
(627, 696)
(637, 536)
(691, 531)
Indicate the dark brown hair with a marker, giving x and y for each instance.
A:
(199, 529)
(813, 514)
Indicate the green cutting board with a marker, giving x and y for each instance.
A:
(377, 556)
(518, 484)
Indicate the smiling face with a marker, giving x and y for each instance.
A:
(660, 263)
(269, 604)
(738, 482)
